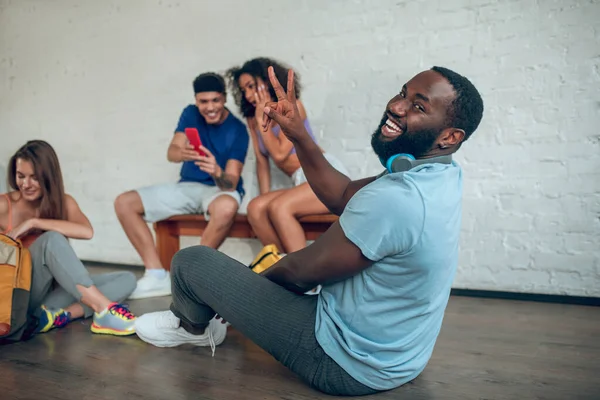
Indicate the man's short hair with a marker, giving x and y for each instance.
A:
(466, 110)
(209, 82)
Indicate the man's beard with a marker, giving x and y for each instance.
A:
(415, 143)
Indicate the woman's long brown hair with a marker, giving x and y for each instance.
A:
(48, 173)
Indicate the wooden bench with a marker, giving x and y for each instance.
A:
(169, 231)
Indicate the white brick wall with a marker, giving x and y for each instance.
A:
(104, 82)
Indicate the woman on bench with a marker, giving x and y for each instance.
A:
(42, 216)
(274, 215)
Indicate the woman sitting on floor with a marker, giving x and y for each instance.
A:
(39, 214)
(274, 215)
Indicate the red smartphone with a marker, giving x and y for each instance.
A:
(194, 138)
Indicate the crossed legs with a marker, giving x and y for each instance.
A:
(274, 216)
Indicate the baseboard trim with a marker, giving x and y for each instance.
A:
(543, 298)
(488, 294)
(111, 264)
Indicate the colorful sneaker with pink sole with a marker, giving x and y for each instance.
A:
(52, 318)
(116, 320)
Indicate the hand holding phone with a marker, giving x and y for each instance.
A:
(194, 139)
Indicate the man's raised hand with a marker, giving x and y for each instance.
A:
(284, 111)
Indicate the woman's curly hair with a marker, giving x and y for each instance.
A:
(258, 68)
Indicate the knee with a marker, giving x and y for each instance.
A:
(192, 258)
(279, 209)
(52, 238)
(224, 209)
(257, 210)
(179, 265)
(128, 280)
(127, 202)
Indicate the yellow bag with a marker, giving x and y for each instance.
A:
(15, 285)
(265, 259)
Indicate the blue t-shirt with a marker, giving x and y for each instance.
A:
(227, 141)
(381, 325)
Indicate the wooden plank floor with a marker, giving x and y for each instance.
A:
(488, 349)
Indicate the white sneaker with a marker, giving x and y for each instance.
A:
(150, 286)
(162, 329)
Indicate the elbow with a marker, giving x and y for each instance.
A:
(278, 158)
(337, 206)
(88, 233)
(336, 209)
(171, 154)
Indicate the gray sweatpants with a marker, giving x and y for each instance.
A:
(205, 282)
(56, 271)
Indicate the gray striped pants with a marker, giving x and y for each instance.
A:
(206, 281)
(56, 271)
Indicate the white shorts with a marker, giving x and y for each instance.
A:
(165, 200)
(298, 177)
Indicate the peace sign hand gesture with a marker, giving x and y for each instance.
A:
(285, 110)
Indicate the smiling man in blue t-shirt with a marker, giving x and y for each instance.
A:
(386, 267)
(209, 183)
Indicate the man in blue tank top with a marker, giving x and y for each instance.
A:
(210, 181)
(386, 267)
